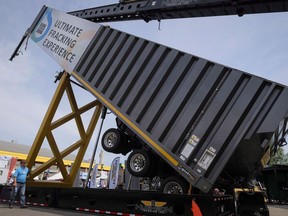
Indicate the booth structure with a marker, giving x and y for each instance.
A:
(7, 164)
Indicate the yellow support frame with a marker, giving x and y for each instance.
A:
(48, 126)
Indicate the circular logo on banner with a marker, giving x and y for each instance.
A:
(43, 26)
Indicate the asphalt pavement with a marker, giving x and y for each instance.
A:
(275, 210)
(39, 211)
(278, 210)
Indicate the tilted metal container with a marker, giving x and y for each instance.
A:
(203, 118)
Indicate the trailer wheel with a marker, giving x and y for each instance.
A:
(111, 140)
(174, 185)
(138, 163)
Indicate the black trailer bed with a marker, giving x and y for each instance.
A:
(122, 202)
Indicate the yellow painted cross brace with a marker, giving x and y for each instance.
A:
(48, 126)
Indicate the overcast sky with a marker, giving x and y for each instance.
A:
(254, 43)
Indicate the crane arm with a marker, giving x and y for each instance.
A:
(170, 9)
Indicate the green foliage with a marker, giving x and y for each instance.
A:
(280, 158)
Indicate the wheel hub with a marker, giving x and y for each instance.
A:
(110, 140)
(137, 162)
(173, 188)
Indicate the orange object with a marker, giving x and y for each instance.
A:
(195, 209)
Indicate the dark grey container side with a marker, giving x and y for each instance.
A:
(207, 117)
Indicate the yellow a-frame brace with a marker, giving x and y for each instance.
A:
(48, 126)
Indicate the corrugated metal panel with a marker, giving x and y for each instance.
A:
(197, 111)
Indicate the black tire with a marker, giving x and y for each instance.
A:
(139, 163)
(174, 185)
(112, 140)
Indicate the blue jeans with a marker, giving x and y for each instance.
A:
(21, 187)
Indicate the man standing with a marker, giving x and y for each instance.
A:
(19, 184)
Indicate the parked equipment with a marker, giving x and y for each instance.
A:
(194, 125)
(275, 180)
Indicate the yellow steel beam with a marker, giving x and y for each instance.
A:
(19, 156)
(57, 154)
(46, 131)
(71, 116)
(75, 110)
(85, 143)
(47, 121)
(41, 159)
(62, 121)
(88, 106)
(54, 160)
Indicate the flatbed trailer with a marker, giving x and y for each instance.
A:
(117, 202)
